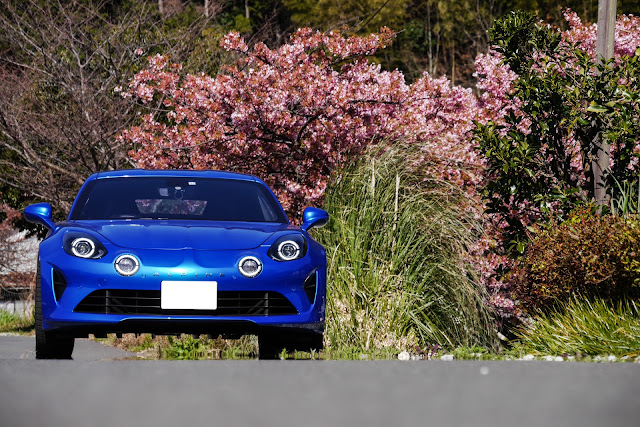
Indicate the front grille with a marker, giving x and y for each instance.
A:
(230, 303)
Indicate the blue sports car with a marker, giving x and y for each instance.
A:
(169, 252)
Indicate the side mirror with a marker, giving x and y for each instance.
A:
(40, 213)
(314, 218)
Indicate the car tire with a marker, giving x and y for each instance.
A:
(48, 344)
(270, 345)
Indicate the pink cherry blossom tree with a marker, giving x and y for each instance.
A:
(295, 114)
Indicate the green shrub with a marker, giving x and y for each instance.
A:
(584, 327)
(571, 101)
(588, 255)
(397, 270)
(14, 322)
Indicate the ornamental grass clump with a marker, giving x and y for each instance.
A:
(585, 327)
(397, 248)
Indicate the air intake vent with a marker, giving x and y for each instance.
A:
(310, 285)
(230, 303)
(59, 284)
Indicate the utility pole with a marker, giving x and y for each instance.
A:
(604, 51)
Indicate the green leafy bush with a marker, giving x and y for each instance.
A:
(397, 270)
(588, 255)
(559, 108)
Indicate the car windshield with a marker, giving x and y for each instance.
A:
(209, 199)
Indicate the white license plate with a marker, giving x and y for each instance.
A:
(185, 295)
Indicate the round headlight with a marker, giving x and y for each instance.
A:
(127, 265)
(83, 247)
(250, 266)
(288, 250)
(288, 247)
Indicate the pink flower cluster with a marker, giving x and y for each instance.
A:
(627, 38)
(293, 115)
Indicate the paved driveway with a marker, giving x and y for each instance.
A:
(96, 389)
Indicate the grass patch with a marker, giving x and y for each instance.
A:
(187, 347)
(476, 353)
(585, 328)
(12, 322)
(398, 275)
(348, 353)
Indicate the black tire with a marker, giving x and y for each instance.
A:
(48, 344)
(270, 345)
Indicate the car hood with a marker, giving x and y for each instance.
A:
(199, 235)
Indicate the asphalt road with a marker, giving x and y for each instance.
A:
(96, 389)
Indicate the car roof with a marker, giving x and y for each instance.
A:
(173, 173)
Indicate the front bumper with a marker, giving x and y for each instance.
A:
(67, 281)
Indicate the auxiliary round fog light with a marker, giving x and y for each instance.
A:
(83, 247)
(250, 266)
(127, 265)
